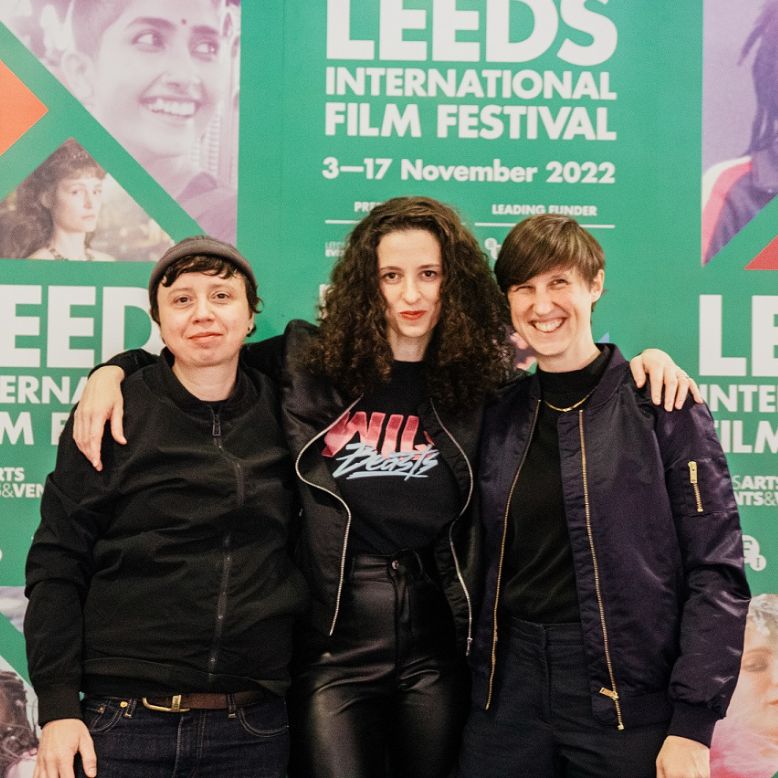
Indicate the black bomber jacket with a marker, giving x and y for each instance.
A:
(657, 551)
(167, 572)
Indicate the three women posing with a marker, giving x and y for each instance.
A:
(381, 406)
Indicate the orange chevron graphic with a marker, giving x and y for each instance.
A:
(19, 109)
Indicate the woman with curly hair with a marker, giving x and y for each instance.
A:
(465, 359)
(56, 209)
(383, 415)
(381, 406)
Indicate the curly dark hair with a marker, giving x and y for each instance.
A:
(468, 355)
(29, 226)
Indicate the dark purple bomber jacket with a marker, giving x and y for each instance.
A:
(656, 544)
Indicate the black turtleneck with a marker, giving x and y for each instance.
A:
(540, 579)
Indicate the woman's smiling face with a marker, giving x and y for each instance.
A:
(158, 75)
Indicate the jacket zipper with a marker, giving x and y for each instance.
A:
(695, 485)
(221, 603)
(339, 499)
(457, 567)
(611, 693)
(216, 428)
(502, 557)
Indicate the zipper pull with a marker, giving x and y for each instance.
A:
(615, 697)
(695, 485)
(216, 429)
(469, 644)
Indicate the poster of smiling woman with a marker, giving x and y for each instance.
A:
(162, 78)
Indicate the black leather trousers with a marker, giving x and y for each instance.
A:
(387, 694)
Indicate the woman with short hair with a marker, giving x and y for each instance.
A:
(162, 587)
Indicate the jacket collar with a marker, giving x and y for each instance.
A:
(161, 378)
(607, 385)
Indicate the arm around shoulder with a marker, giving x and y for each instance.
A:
(101, 402)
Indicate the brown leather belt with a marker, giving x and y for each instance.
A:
(181, 703)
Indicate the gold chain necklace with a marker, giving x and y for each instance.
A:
(570, 407)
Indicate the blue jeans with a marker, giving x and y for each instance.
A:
(131, 740)
(540, 722)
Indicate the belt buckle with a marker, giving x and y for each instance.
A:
(175, 706)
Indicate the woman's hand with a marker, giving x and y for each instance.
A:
(61, 740)
(100, 402)
(680, 757)
(663, 375)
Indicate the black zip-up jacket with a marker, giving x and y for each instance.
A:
(657, 551)
(168, 572)
(310, 406)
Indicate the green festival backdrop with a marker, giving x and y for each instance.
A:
(610, 111)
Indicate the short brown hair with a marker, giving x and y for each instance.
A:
(544, 242)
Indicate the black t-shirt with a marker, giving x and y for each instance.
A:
(390, 473)
(540, 578)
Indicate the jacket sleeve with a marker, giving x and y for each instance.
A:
(266, 356)
(130, 361)
(263, 355)
(74, 510)
(716, 592)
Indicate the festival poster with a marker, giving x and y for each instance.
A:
(511, 108)
(737, 282)
(620, 114)
(166, 92)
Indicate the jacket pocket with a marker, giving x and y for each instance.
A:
(102, 713)
(694, 481)
(696, 487)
